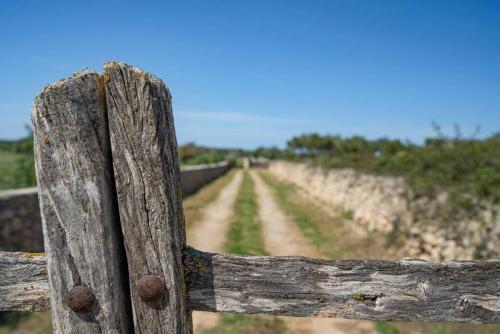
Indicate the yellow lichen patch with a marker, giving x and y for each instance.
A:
(200, 266)
(106, 78)
(361, 297)
(33, 254)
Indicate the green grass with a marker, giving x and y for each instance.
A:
(240, 324)
(386, 328)
(347, 214)
(299, 214)
(16, 170)
(245, 238)
(245, 234)
(17, 166)
(25, 323)
(326, 231)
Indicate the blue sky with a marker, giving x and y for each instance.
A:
(250, 73)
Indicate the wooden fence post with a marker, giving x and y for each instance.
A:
(88, 293)
(147, 176)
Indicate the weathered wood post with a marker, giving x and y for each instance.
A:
(147, 176)
(88, 293)
(110, 195)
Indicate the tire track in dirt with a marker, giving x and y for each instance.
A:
(209, 234)
(283, 237)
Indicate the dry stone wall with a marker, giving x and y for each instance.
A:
(195, 177)
(20, 222)
(386, 205)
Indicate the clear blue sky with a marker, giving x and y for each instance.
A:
(249, 73)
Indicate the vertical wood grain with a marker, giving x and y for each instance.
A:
(78, 205)
(146, 168)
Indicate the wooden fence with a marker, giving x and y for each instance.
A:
(116, 259)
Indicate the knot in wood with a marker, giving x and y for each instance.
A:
(80, 299)
(150, 288)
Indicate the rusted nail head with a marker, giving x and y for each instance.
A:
(150, 288)
(80, 299)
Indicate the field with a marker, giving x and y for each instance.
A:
(17, 167)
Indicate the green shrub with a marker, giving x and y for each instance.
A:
(468, 169)
(17, 167)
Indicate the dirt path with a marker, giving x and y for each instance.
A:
(209, 234)
(283, 237)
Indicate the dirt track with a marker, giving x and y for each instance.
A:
(209, 234)
(283, 237)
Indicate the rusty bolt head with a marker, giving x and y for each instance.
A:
(150, 288)
(80, 299)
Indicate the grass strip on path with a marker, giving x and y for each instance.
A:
(300, 214)
(327, 231)
(245, 234)
(245, 238)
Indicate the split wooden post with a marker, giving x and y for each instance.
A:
(147, 176)
(78, 208)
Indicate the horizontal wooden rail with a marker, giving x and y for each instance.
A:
(408, 290)
(24, 283)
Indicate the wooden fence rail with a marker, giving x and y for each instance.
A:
(408, 290)
(116, 257)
